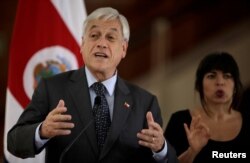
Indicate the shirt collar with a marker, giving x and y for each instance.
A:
(109, 83)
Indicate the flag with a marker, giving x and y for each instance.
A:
(46, 41)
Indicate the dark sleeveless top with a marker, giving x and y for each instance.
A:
(227, 151)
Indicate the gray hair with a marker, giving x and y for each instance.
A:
(108, 13)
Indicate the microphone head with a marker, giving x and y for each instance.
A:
(97, 100)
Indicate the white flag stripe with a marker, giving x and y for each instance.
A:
(73, 14)
(12, 113)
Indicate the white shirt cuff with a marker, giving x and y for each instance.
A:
(162, 155)
(38, 141)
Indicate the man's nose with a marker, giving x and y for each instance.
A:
(102, 43)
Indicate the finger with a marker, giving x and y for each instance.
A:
(205, 129)
(150, 142)
(155, 127)
(149, 133)
(60, 108)
(146, 144)
(49, 130)
(198, 121)
(60, 103)
(150, 119)
(60, 132)
(186, 129)
(194, 122)
(61, 117)
(144, 137)
(63, 125)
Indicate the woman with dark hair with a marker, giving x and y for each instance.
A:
(216, 131)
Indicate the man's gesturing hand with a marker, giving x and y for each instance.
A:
(153, 136)
(56, 123)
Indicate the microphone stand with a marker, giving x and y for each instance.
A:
(74, 140)
(97, 102)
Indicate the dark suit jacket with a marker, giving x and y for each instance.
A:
(121, 143)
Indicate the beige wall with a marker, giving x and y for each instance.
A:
(173, 83)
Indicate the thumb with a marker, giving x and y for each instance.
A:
(150, 118)
(60, 103)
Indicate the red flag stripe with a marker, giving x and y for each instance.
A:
(38, 25)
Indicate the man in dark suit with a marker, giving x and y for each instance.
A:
(61, 117)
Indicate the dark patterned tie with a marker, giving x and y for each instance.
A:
(101, 115)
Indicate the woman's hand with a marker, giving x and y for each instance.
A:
(197, 134)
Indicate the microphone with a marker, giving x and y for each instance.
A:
(97, 102)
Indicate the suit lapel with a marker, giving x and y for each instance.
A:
(80, 93)
(122, 107)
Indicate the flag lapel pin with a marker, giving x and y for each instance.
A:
(126, 105)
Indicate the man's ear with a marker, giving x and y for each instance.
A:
(124, 49)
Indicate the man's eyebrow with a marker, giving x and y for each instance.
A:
(114, 29)
(95, 26)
